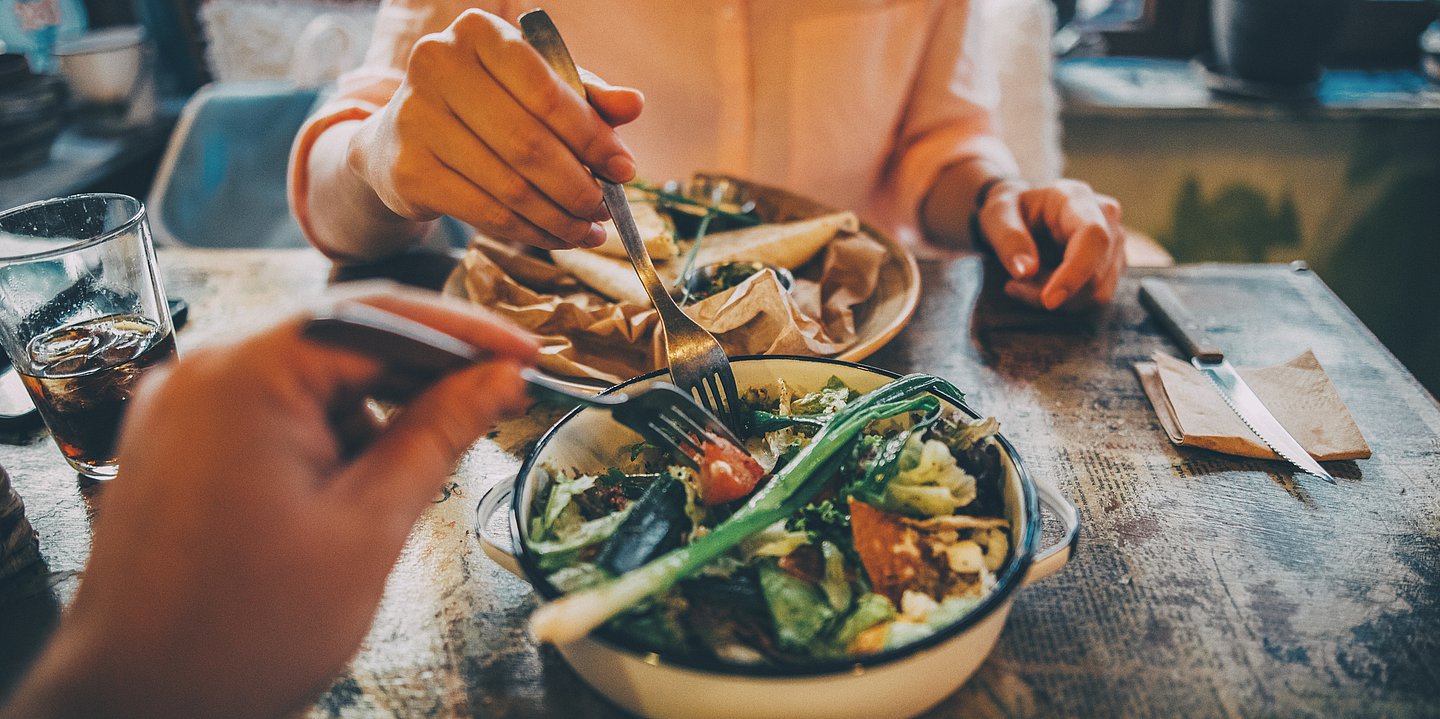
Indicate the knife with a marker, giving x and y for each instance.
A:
(1162, 302)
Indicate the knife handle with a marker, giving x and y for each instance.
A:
(1165, 305)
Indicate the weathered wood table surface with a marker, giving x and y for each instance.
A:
(1204, 585)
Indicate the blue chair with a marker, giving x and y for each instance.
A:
(222, 180)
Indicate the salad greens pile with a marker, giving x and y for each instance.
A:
(880, 519)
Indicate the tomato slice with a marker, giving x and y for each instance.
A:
(727, 472)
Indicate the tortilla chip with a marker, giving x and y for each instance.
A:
(890, 552)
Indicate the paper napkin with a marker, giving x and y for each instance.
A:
(1298, 393)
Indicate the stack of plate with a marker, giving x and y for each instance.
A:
(31, 114)
(18, 548)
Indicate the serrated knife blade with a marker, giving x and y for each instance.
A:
(1165, 305)
(1253, 413)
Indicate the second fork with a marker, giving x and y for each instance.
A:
(418, 355)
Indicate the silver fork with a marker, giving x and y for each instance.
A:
(417, 355)
(698, 365)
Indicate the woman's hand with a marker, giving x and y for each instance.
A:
(1061, 243)
(483, 131)
(240, 555)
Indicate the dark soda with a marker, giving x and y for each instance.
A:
(84, 376)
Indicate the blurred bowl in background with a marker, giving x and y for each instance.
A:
(707, 192)
(31, 114)
(1430, 51)
(103, 67)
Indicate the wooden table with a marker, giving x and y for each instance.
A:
(1204, 585)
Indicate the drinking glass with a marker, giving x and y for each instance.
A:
(82, 315)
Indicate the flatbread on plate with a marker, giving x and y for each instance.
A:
(608, 276)
(787, 244)
(655, 231)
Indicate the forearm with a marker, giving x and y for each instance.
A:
(346, 219)
(948, 207)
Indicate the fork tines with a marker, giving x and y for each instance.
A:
(718, 393)
(681, 438)
(667, 416)
(676, 416)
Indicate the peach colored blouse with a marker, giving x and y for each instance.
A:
(857, 103)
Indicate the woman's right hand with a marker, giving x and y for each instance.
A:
(483, 131)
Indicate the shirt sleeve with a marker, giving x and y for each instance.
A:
(948, 118)
(361, 92)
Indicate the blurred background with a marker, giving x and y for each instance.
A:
(1230, 130)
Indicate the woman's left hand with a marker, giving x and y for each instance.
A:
(1061, 243)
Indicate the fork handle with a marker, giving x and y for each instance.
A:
(418, 354)
(619, 208)
(540, 32)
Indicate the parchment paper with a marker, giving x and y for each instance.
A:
(585, 335)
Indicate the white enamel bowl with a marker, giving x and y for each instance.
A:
(896, 683)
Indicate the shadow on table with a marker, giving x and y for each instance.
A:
(424, 268)
(1202, 462)
(996, 318)
(29, 613)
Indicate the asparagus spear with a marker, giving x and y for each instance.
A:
(575, 615)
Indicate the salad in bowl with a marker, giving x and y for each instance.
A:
(856, 555)
(897, 533)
